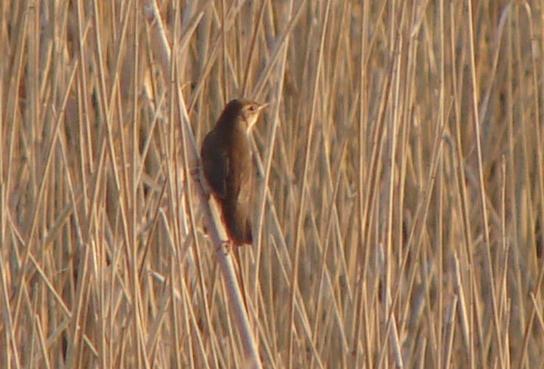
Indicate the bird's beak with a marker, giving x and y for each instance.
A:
(262, 106)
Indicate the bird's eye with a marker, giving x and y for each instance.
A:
(252, 108)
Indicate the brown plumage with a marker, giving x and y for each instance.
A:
(227, 166)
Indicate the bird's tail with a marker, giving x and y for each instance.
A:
(238, 223)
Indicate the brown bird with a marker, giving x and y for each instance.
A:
(227, 166)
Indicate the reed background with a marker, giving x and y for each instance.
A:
(400, 197)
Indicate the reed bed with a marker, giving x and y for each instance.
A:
(399, 200)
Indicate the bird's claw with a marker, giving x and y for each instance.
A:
(227, 246)
(195, 172)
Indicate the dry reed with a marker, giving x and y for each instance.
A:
(400, 202)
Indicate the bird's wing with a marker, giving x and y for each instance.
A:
(215, 163)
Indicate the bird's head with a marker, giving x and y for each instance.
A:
(250, 113)
(245, 112)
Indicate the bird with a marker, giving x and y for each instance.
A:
(228, 168)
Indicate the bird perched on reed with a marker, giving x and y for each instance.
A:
(228, 169)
